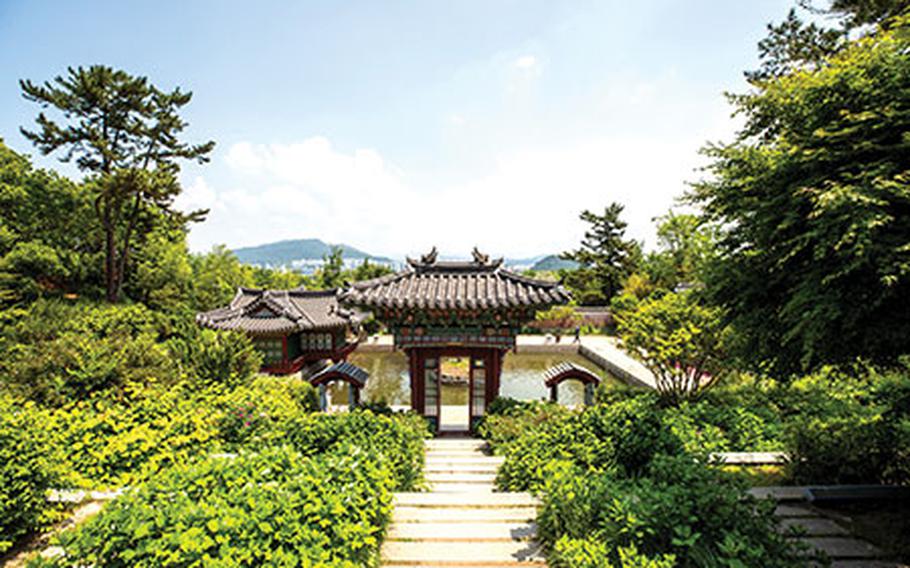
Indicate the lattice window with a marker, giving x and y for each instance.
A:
(272, 350)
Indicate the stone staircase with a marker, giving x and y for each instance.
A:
(461, 521)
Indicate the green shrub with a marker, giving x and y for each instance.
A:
(26, 470)
(398, 439)
(259, 413)
(590, 553)
(507, 419)
(622, 437)
(59, 353)
(680, 509)
(225, 358)
(276, 508)
(107, 442)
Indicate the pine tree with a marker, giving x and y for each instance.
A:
(605, 254)
(123, 132)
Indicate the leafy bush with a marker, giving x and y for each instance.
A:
(591, 553)
(622, 437)
(225, 358)
(60, 352)
(105, 442)
(856, 432)
(681, 512)
(398, 439)
(507, 419)
(276, 508)
(26, 471)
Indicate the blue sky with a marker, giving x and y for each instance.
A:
(394, 126)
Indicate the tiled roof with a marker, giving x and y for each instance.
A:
(432, 284)
(265, 312)
(342, 370)
(568, 370)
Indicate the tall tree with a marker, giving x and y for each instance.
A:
(606, 257)
(814, 195)
(684, 245)
(124, 133)
(794, 44)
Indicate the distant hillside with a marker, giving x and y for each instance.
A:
(285, 253)
(553, 262)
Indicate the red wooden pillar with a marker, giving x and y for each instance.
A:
(416, 378)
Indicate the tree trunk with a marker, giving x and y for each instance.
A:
(110, 265)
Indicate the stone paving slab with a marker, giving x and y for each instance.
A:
(781, 492)
(496, 500)
(814, 526)
(843, 547)
(407, 514)
(750, 458)
(468, 477)
(455, 554)
(462, 487)
(867, 564)
(474, 458)
(785, 511)
(487, 468)
(465, 531)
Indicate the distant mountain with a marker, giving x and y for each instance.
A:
(552, 262)
(297, 251)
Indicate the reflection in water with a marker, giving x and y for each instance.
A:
(522, 378)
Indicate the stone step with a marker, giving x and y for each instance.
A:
(477, 532)
(456, 451)
(472, 458)
(507, 553)
(462, 487)
(867, 564)
(814, 526)
(843, 547)
(440, 454)
(409, 514)
(781, 493)
(784, 511)
(467, 500)
(461, 468)
(461, 477)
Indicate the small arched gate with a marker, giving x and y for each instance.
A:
(567, 371)
(354, 376)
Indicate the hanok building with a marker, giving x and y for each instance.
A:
(291, 328)
(470, 310)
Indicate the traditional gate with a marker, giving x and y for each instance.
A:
(470, 309)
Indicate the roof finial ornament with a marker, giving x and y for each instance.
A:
(430, 257)
(479, 257)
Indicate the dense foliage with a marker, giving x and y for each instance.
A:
(26, 471)
(681, 513)
(814, 197)
(677, 338)
(629, 480)
(277, 508)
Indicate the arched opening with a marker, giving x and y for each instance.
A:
(343, 372)
(566, 371)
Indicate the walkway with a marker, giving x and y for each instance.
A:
(605, 351)
(821, 532)
(461, 521)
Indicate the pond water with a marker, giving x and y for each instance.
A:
(522, 378)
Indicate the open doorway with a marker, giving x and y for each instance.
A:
(454, 384)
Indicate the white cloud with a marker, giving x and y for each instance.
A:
(528, 203)
(526, 62)
(197, 195)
